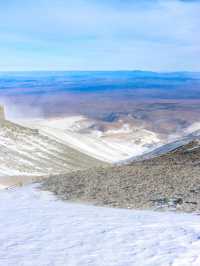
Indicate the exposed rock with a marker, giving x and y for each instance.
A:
(167, 182)
(2, 113)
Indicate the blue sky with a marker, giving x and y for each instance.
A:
(160, 35)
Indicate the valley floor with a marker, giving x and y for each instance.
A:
(38, 229)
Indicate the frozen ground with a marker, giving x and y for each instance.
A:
(37, 229)
(116, 142)
(25, 152)
(112, 145)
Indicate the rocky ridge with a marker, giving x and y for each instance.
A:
(166, 182)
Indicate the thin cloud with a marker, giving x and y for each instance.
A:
(85, 34)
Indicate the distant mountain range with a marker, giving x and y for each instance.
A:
(92, 81)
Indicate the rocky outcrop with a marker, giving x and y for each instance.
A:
(167, 182)
(2, 113)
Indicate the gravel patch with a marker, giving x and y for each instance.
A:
(167, 182)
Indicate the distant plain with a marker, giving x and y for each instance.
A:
(164, 102)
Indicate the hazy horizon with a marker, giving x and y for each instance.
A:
(100, 70)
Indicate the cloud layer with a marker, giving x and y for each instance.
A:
(99, 34)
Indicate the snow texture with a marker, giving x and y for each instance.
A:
(24, 151)
(37, 229)
(110, 146)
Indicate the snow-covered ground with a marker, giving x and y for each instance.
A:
(113, 145)
(37, 229)
(24, 151)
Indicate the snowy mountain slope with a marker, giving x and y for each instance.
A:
(36, 229)
(24, 151)
(167, 147)
(110, 145)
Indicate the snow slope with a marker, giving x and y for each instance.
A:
(110, 146)
(36, 229)
(24, 151)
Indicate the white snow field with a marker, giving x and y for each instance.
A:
(109, 146)
(37, 229)
(25, 152)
